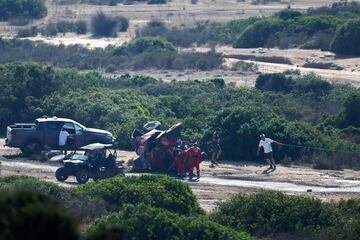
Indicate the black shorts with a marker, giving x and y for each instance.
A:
(268, 155)
(216, 147)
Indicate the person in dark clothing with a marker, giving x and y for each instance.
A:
(216, 147)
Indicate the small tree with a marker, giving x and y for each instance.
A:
(103, 26)
(347, 38)
(351, 112)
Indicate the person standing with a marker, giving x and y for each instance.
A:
(63, 136)
(268, 151)
(180, 158)
(216, 147)
(194, 157)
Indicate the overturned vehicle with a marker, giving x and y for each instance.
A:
(156, 148)
(97, 162)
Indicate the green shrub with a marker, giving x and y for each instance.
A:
(274, 82)
(155, 190)
(241, 127)
(347, 38)
(27, 32)
(350, 115)
(288, 14)
(30, 215)
(107, 232)
(257, 34)
(78, 205)
(33, 9)
(80, 27)
(341, 9)
(313, 24)
(50, 30)
(271, 212)
(146, 44)
(103, 26)
(146, 222)
(123, 23)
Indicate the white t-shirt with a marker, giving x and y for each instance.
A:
(63, 137)
(266, 144)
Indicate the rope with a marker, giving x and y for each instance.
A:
(318, 148)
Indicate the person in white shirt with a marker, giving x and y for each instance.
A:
(268, 151)
(63, 136)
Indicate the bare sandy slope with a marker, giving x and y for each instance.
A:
(220, 183)
(175, 12)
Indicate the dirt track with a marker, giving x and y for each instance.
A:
(220, 183)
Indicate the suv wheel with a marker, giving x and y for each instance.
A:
(61, 174)
(82, 176)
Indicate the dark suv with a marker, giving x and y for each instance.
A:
(33, 137)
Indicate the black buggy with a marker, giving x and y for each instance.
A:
(98, 162)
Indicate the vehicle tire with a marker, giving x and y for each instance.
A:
(61, 174)
(32, 147)
(82, 176)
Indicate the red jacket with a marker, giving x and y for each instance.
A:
(194, 155)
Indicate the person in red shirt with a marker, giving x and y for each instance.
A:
(180, 158)
(194, 157)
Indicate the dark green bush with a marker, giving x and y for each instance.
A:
(80, 27)
(122, 23)
(155, 190)
(145, 222)
(271, 212)
(31, 215)
(241, 127)
(107, 232)
(27, 32)
(350, 115)
(347, 38)
(341, 9)
(146, 44)
(308, 85)
(80, 206)
(257, 34)
(278, 82)
(50, 30)
(288, 14)
(104, 26)
(33, 9)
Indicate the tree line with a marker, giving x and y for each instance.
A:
(294, 109)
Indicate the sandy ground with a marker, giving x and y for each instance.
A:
(175, 12)
(220, 183)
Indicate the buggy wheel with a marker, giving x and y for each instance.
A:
(82, 176)
(61, 174)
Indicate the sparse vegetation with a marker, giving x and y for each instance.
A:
(322, 28)
(25, 9)
(111, 2)
(76, 56)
